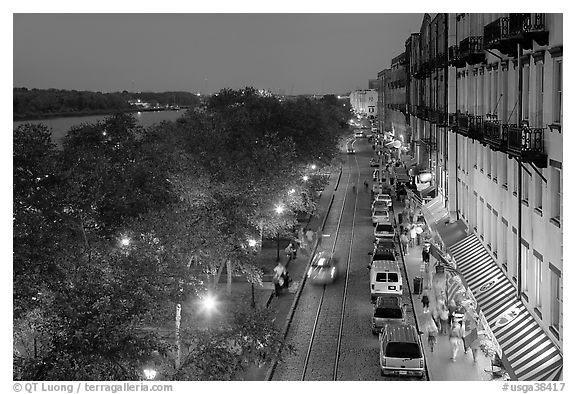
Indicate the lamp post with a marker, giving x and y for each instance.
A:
(279, 209)
(252, 243)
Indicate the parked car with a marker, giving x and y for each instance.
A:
(359, 134)
(322, 271)
(401, 351)
(350, 150)
(380, 215)
(386, 198)
(374, 162)
(388, 309)
(379, 204)
(384, 230)
(384, 251)
(385, 278)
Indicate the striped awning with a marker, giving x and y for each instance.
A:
(528, 350)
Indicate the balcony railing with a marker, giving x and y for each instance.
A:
(527, 143)
(504, 33)
(471, 50)
(493, 134)
(463, 122)
(475, 129)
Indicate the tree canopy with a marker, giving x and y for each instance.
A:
(124, 224)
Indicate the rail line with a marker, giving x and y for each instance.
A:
(321, 302)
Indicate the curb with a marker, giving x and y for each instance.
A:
(298, 294)
(411, 298)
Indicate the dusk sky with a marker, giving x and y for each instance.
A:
(297, 53)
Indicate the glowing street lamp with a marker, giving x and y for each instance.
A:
(125, 241)
(209, 303)
(150, 373)
(305, 178)
(252, 243)
(313, 166)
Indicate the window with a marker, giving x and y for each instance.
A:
(504, 246)
(515, 177)
(525, 185)
(513, 263)
(555, 193)
(524, 261)
(539, 115)
(538, 280)
(555, 288)
(504, 166)
(538, 192)
(481, 219)
(481, 157)
(489, 161)
(557, 81)
(525, 92)
(494, 233)
(474, 212)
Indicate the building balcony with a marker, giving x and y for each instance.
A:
(471, 50)
(476, 128)
(506, 32)
(528, 27)
(441, 60)
(493, 135)
(441, 118)
(527, 143)
(452, 121)
(454, 58)
(462, 123)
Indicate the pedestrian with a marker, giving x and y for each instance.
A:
(290, 251)
(310, 236)
(278, 278)
(404, 241)
(413, 236)
(432, 331)
(425, 301)
(425, 254)
(454, 338)
(451, 310)
(443, 319)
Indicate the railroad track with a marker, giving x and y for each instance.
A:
(329, 290)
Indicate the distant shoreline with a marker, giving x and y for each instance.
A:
(23, 118)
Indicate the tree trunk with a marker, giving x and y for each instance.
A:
(178, 344)
(229, 272)
(217, 277)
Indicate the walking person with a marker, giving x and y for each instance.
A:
(404, 241)
(443, 314)
(454, 338)
(290, 251)
(413, 236)
(278, 279)
(432, 331)
(425, 301)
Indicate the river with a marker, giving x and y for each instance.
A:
(60, 126)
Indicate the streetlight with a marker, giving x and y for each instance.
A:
(305, 178)
(313, 166)
(279, 209)
(150, 373)
(125, 241)
(252, 243)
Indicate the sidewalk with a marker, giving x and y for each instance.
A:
(439, 363)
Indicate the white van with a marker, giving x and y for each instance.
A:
(401, 351)
(385, 278)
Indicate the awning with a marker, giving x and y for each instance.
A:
(429, 190)
(451, 232)
(527, 349)
(434, 211)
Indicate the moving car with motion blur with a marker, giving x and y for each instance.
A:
(322, 271)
